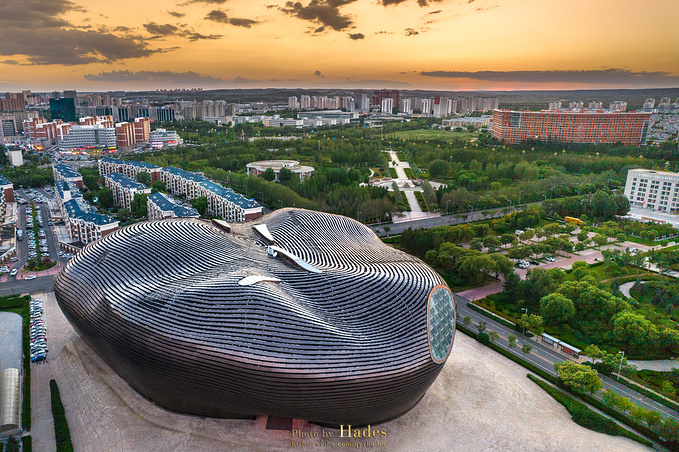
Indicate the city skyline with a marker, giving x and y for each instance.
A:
(407, 44)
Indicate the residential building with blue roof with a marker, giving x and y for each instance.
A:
(129, 168)
(222, 202)
(124, 189)
(65, 172)
(85, 224)
(161, 206)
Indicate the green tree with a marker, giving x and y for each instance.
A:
(144, 178)
(556, 308)
(466, 320)
(124, 215)
(493, 336)
(600, 240)
(583, 237)
(610, 398)
(633, 331)
(438, 168)
(481, 326)
(140, 204)
(491, 242)
(91, 181)
(105, 198)
(526, 349)
(157, 186)
(200, 204)
(594, 352)
(512, 341)
(269, 174)
(578, 378)
(476, 244)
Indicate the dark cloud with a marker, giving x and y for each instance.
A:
(220, 16)
(318, 74)
(12, 62)
(123, 29)
(153, 76)
(438, 11)
(383, 32)
(602, 76)
(411, 32)
(356, 36)
(176, 14)
(208, 2)
(422, 3)
(163, 30)
(37, 30)
(323, 12)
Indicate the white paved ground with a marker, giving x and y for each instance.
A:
(481, 401)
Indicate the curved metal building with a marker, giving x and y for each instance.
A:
(305, 315)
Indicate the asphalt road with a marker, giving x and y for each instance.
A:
(544, 356)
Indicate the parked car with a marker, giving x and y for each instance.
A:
(13, 272)
(30, 277)
(550, 259)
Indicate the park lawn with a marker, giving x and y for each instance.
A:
(433, 134)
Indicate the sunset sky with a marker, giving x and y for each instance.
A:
(408, 44)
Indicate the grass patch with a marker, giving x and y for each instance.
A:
(495, 317)
(61, 430)
(402, 156)
(19, 305)
(585, 416)
(420, 200)
(392, 172)
(409, 173)
(434, 134)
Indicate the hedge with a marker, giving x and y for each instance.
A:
(393, 173)
(409, 173)
(585, 416)
(27, 444)
(61, 430)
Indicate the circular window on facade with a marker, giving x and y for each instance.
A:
(440, 323)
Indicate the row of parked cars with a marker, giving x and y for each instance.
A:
(39, 348)
(522, 263)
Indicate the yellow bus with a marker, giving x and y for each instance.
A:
(573, 220)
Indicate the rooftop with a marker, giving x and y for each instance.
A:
(4, 181)
(66, 171)
(185, 174)
(126, 182)
(80, 209)
(230, 195)
(166, 204)
(129, 162)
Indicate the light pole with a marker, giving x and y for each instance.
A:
(525, 311)
(359, 216)
(620, 367)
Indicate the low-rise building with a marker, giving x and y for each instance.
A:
(161, 206)
(64, 172)
(161, 138)
(125, 189)
(258, 168)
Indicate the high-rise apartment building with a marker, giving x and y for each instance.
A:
(618, 105)
(13, 102)
(380, 95)
(576, 104)
(649, 103)
(387, 105)
(293, 103)
(125, 135)
(595, 105)
(142, 130)
(575, 126)
(554, 105)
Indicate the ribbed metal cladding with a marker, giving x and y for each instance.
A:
(160, 303)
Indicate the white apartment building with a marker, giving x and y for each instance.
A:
(129, 168)
(96, 136)
(387, 105)
(654, 190)
(124, 189)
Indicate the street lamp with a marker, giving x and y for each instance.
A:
(359, 216)
(525, 311)
(620, 367)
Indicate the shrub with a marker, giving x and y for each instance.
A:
(61, 430)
